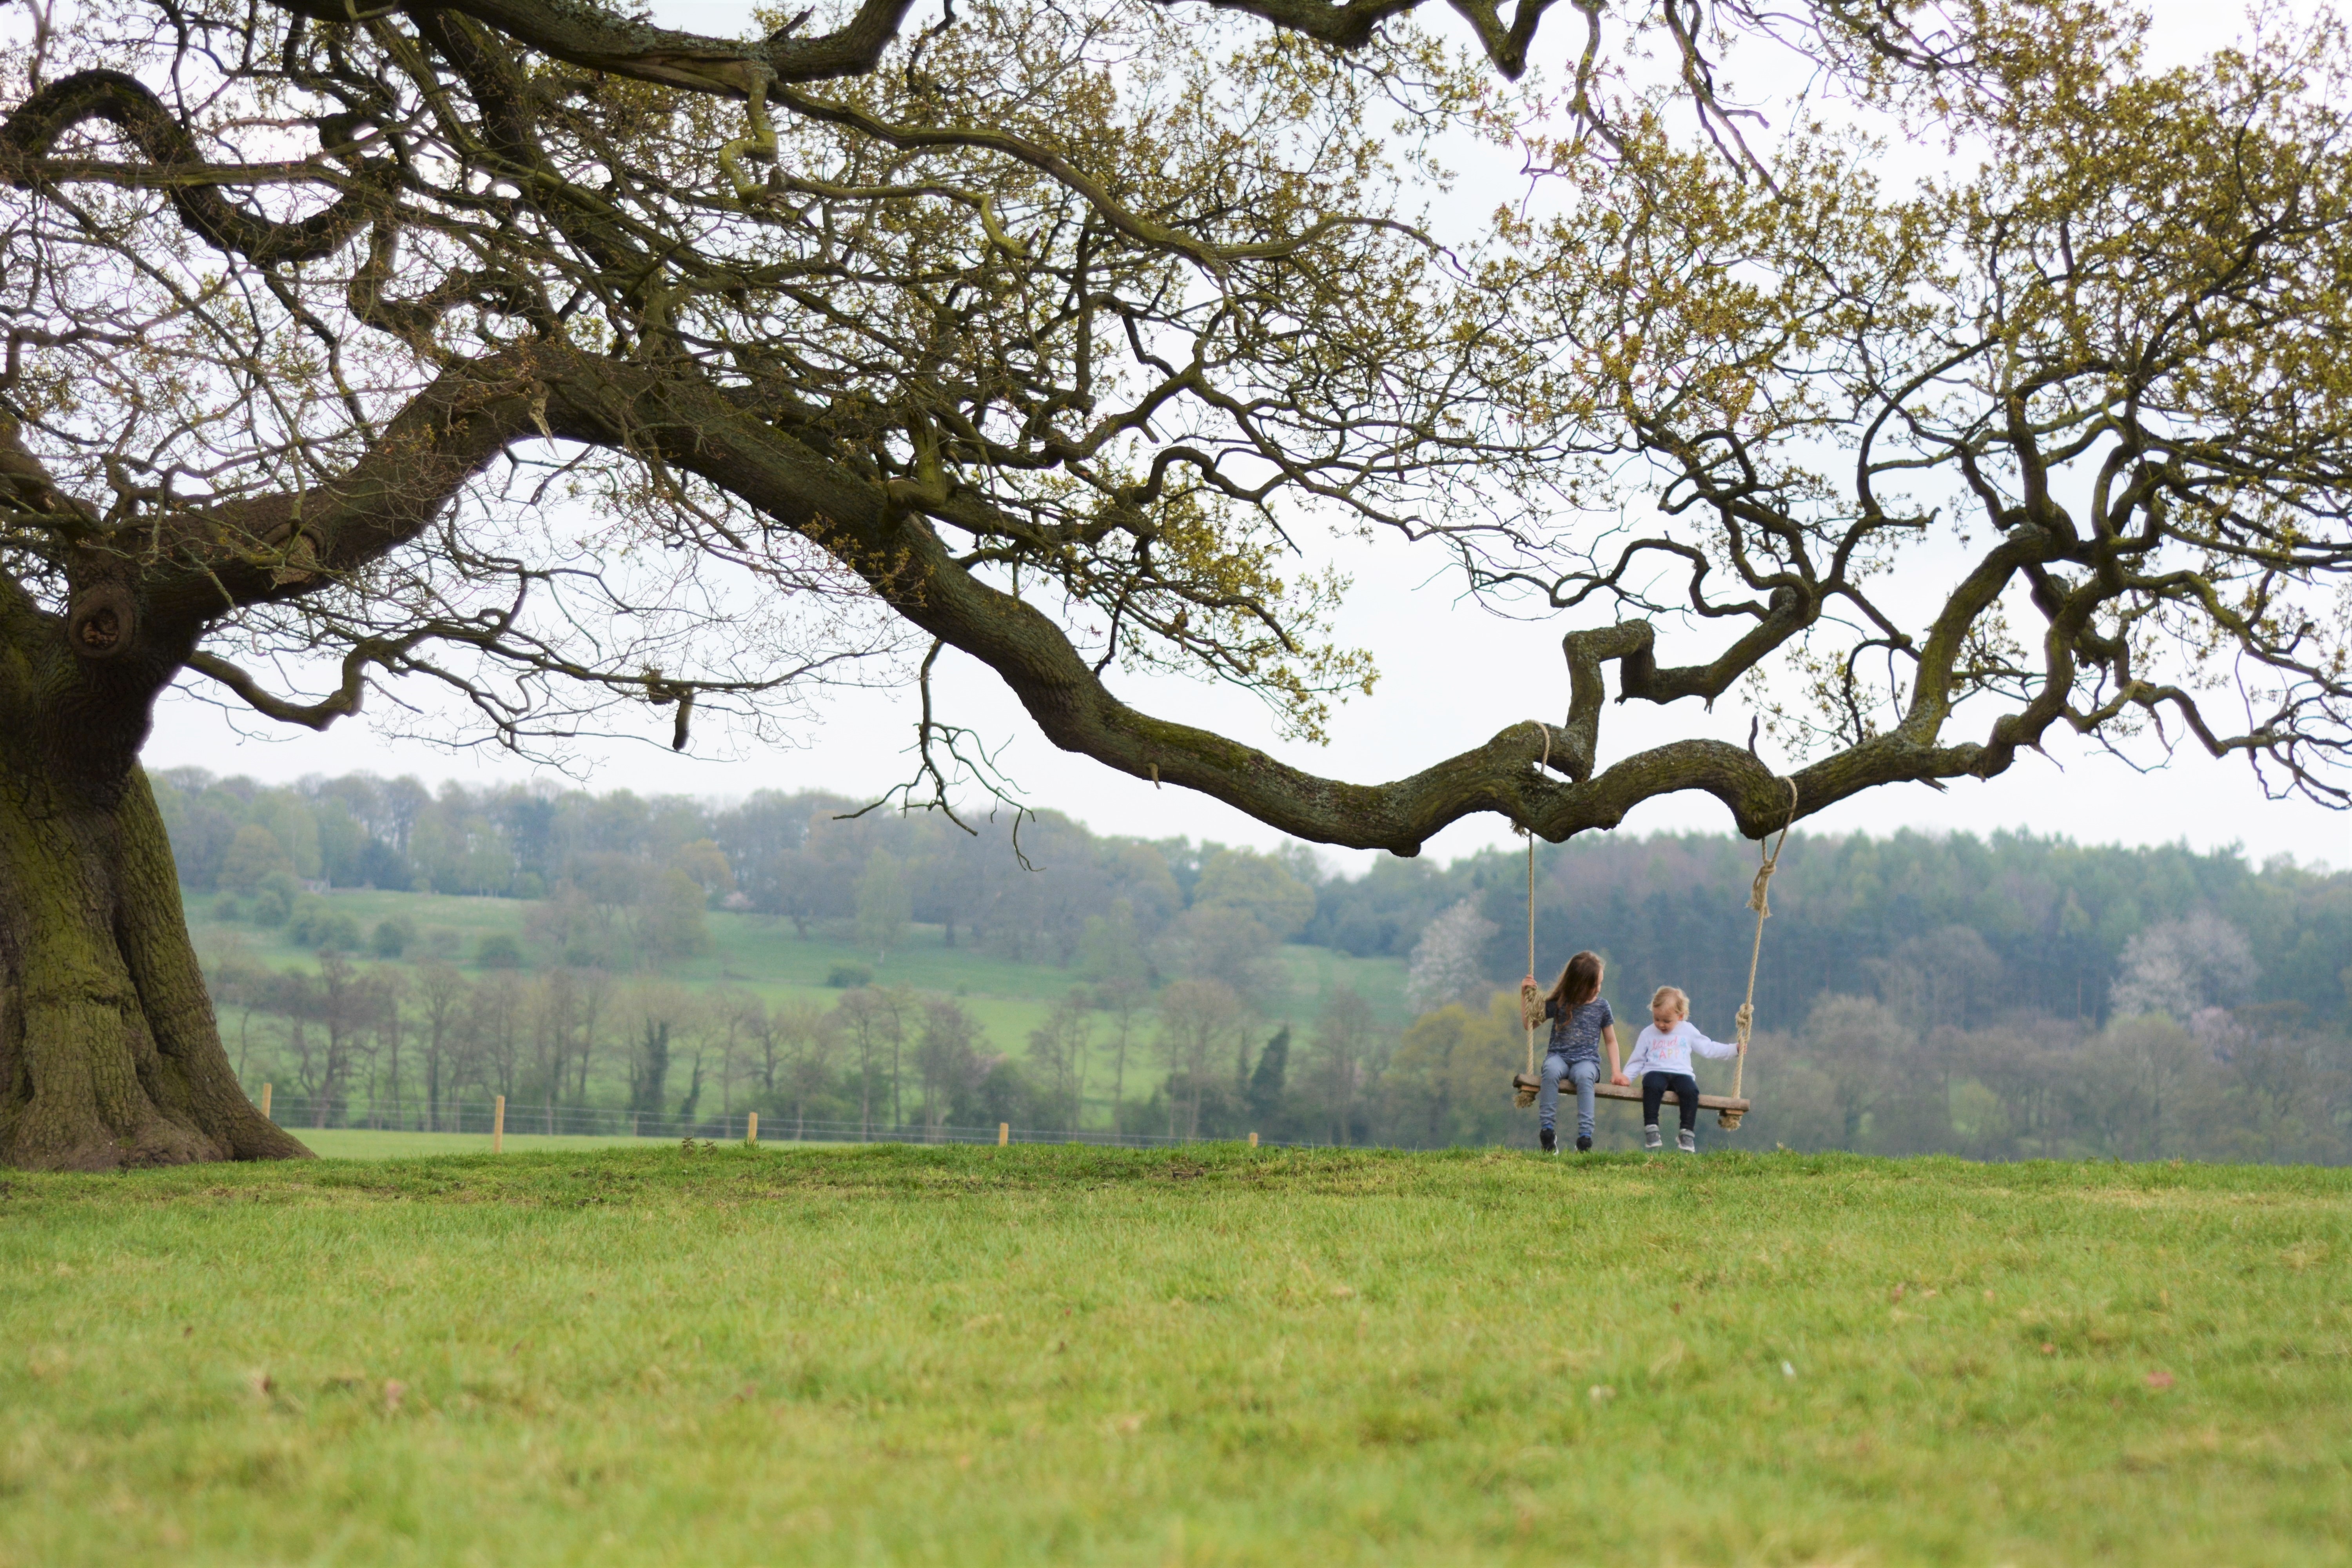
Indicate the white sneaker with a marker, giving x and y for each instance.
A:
(1687, 1140)
(1650, 1138)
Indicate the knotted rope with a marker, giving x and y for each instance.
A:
(1760, 898)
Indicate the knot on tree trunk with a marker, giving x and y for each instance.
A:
(101, 621)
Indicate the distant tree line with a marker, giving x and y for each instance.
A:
(406, 1046)
(621, 882)
(1992, 928)
(2011, 924)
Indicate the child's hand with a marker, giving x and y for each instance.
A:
(1620, 1079)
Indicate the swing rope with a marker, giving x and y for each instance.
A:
(1526, 1096)
(1531, 956)
(1760, 898)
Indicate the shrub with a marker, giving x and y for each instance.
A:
(848, 976)
(226, 908)
(499, 951)
(392, 937)
(305, 915)
(314, 924)
(275, 902)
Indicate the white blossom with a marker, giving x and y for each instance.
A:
(1448, 961)
(2182, 968)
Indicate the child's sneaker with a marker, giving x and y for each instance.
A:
(1583, 1141)
(1650, 1138)
(1687, 1140)
(1549, 1140)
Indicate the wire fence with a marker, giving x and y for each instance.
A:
(299, 1114)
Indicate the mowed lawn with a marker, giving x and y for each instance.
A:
(1212, 1355)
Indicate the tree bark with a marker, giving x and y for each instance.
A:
(110, 1056)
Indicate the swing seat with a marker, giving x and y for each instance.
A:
(1728, 1109)
(1633, 1091)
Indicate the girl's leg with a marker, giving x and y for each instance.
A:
(1584, 1074)
(1654, 1094)
(1685, 1089)
(1548, 1101)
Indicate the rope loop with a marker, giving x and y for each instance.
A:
(1760, 892)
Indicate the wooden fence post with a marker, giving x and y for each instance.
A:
(264, 1102)
(752, 1129)
(1004, 1133)
(498, 1127)
(1252, 1139)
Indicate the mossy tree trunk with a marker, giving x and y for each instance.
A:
(110, 1056)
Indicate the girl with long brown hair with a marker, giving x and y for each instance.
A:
(1580, 1024)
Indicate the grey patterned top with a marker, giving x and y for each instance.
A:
(1578, 1035)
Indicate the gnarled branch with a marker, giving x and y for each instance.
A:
(128, 105)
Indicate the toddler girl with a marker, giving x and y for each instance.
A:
(1662, 1057)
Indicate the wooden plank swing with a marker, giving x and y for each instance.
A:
(1728, 1107)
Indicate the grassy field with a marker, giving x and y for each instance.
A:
(367, 1143)
(1212, 1356)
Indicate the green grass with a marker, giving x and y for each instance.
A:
(1285, 1357)
(366, 1143)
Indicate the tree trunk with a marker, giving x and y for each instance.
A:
(109, 1053)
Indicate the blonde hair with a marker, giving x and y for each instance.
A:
(1674, 994)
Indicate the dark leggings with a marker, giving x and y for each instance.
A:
(1653, 1090)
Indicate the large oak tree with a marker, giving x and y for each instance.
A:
(537, 353)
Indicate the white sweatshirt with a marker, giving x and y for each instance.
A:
(1670, 1052)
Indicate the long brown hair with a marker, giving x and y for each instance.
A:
(1578, 984)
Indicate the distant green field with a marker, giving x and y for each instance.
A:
(1205, 1356)
(762, 956)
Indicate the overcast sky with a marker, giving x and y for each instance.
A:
(1452, 675)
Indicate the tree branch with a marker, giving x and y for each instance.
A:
(266, 549)
(129, 107)
(697, 429)
(586, 33)
(343, 701)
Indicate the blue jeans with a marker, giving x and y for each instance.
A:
(1583, 1073)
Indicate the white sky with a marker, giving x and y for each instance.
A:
(1452, 675)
